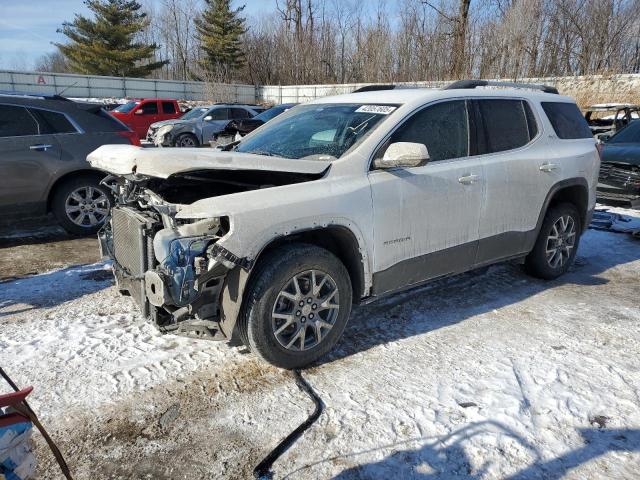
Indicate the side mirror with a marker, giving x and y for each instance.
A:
(139, 112)
(208, 118)
(403, 154)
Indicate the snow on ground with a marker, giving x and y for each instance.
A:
(482, 376)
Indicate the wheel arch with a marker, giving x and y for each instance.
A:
(86, 172)
(338, 239)
(572, 190)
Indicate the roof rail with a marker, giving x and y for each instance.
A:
(374, 88)
(13, 93)
(463, 84)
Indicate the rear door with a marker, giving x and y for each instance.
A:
(168, 110)
(29, 158)
(239, 114)
(516, 185)
(426, 217)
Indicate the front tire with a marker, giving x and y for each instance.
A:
(557, 243)
(187, 140)
(296, 305)
(81, 205)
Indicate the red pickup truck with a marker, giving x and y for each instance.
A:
(139, 114)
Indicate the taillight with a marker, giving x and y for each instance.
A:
(599, 149)
(131, 136)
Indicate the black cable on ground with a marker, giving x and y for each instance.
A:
(263, 470)
(28, 412)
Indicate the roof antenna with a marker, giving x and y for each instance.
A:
(67, 88)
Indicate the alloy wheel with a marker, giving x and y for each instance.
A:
(186, 141)
(87, 206)
(561, 241)
(305, 310)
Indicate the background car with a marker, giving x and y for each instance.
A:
(237, 129)
(607, 118)
(44, 143)
(619, 178)
(140, 114)
(199, 125)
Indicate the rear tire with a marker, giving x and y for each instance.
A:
(296, 305)
(557, 243)
(186, 140)
(81, 204)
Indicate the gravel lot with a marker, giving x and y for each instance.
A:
(482, 376)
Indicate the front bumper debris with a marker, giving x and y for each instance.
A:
(180, 291)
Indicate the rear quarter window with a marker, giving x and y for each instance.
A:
(52, 122)
(566, 120)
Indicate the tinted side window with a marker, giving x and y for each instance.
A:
(566, 120)
(443, 128)
(219, 114)
(239, 113)
(505, 124)
(16, 122)
(150, 108)
(168, 107)
(52, 122)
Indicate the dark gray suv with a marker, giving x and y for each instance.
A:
(44, 143)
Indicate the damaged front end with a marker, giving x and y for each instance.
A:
(174, 270)
(167, 256)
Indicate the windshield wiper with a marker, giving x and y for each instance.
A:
(261, 152)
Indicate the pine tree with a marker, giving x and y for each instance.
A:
(105, 45)
(220, 31)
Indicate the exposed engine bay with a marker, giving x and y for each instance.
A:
(173, 268)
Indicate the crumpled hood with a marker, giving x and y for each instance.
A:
(621, 153)
(173, 121)
(163, 162)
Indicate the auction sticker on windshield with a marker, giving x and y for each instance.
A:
(381, 109)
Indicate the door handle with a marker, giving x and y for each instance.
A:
(41, 147)
(548, 167)
(468, 179)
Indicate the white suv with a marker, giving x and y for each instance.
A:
(346, 199)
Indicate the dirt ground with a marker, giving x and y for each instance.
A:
(37, 245)
(487, 375)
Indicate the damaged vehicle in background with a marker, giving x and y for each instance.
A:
(620, 168)
(270, 242)
(199, 126)
(236, 129)
(606, 119)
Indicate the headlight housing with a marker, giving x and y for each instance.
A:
(162, 131)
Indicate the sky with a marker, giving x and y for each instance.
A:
(27, 27)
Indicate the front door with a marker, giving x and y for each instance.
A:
(426, 218)
(146, 114)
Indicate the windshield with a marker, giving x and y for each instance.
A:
(195, 113)
(126, 108)
(323, 132)
(630, 134)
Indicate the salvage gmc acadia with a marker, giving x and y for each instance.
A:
(342, 200)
